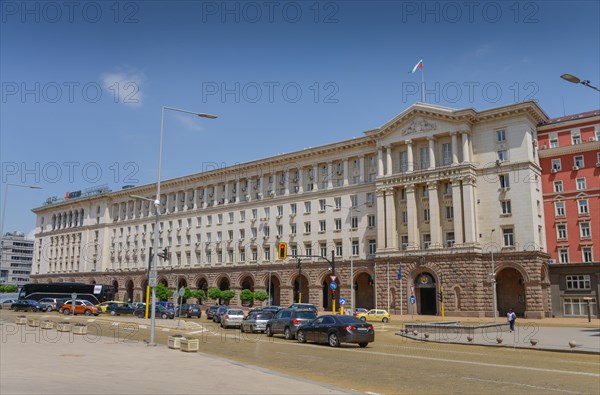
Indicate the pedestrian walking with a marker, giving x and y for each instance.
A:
(511, 316)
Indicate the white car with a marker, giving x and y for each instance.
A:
(5, 304)
(232, 317)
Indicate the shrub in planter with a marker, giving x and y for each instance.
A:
(189, 344)
(21, 320)
(175, 341)
(64, 326)
(47, 324)
(80, 329)
(261, 296)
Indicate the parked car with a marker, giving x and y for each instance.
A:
(52, 303)
(256, 321)
(359, 310)
(210, 311)
(337, 329)
(6, 304)
(160, 311)
(232, 317)
(220, 311)
(81, 307)
(103, 306)
(189, 310)
(27, 305)
(120, 309)
(303, 306)
(167, 305)
(287, 321)
(271, 309)
(374, 315)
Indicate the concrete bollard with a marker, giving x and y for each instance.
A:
(499, 339)
(572, 344)
(533, 341)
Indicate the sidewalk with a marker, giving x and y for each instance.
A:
(71, 365)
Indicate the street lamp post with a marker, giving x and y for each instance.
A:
(495, 302)
(5, 200)
(153, 271)
(571, 78)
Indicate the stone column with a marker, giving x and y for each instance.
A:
(345, 172)
(457, 207)
(469, 206)
(226, 193)
(435, 229)
(261, 188)
(286, 182)
(206, 197)
(466, 157)
(315, 180)
(238, 191)
(390, 215)
(379, 162)
(411, 212)
(329, 175)
(388, 160)
(409, 156)
(431, 141)
(381, 217)
(300, 180)
(454, 136)
(361, 166)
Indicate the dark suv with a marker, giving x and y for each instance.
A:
(189, 310)
(210, 311)
(287, 321)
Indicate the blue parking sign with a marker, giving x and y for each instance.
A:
(412, 299)
(342, 301)
(333, 285)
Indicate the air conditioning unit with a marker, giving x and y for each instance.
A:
(535, 143)
(598, 164)
(265, 237)
(592, 139)
(272, 193)
(278, 236)
(247, 198)
(551, 261)
(544, 146)
(292, 215)
(295, 179)
(575, 168)
(198, 243)
(554, 171)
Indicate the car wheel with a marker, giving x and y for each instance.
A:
(363, 319)
(334, 341)
(269, 331)
(66, 312)
(301, 337)
(88, 312)
(363, 345)
(113, 313)
(164, 316)
(222, 325)
(384, 320)
(287, 333)
(49, 309)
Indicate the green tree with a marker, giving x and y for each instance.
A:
(187, 293)
(8, 288)
(199, 294)
(261, 296)
(215, 293)
(246, 295)
(162, 292)
(227, 295)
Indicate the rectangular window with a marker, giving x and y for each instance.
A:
(370, 198)
(578, 307)
(449, 212)
(293, 208)
(254, 254)
(426, 241)
(508, 236)
(267, 231)
(425, 191)
(279, 230)
(253, 231)
(353, 201)
(267, 212)
(502, 155)
(556, 164)
(404, 242)
(500, 135)
(558, 186)
(446, 154)
(506, 207)
(242, 215)
(230, 235)
(308, 249)
(559, 209)
(219, 219)
(563, 255)
(426, 214)
(371, 220)
(581, 184)
(338, 203)
(504, 181)
(585, 230)
(267, 253)
(322, 204)
(322, 225)
(450, 239)
(554, 141)
(424, 158)
(583, 206)
(586, 253)
(372, 247)
(354, 222)
(578, 162)
(242, 233)
(403, 162)
(355, 247)
(561, 231)
(338, 224)
(576, 137)
(306, 207)
(404, 217)
(577, 282)
(209, 220)
(293, 250)
(242, 254)
(307, 227)
(323, 248)
(293, 229)
(338, 248)
(254, 213)
(279, 211)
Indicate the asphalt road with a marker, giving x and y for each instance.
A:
(390, 365)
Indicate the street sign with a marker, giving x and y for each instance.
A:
(342, 301)
(74, 296)
(333, 286)
(181, 291)
(152, 282)
(175, 295)
(412, 299)
(333, 277)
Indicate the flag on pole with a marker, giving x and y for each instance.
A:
(417, 66)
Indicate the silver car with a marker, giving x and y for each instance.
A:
(232, 317)
(256, 321)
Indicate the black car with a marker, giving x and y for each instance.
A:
(210, 311)
(336, 329)
(287, 321)
(118, 309)
(189, 310)
(27, 305)
(160, 311)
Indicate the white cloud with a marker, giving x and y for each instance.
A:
(190, 122)
(125, 87)
(31, 234)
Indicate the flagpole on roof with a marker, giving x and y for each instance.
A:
(422, 83)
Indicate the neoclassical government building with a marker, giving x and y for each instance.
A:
(432, 199)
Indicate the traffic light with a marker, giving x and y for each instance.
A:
(166, 254)
(441, 296)
(282, 250)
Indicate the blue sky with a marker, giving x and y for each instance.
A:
(82, 86)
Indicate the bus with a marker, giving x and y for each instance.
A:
(95, 293)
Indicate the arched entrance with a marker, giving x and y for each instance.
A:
(328, 293)
(425, 294)
(203, 285)
(129, 293)
(145, 291)
(364, 291)
(115, 285)
(247, 283)
(300, 285)
(510, 290)
(273, 286)
(223, 286)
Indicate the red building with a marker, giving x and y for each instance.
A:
(569, 151)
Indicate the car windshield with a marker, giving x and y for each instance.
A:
(86, 303)
(264, 316)
(235, 312)
(306, 314)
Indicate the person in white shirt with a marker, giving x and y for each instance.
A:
(511, 316)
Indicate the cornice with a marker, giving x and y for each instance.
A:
(569, 149)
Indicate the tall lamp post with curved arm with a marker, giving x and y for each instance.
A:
(153, 272)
